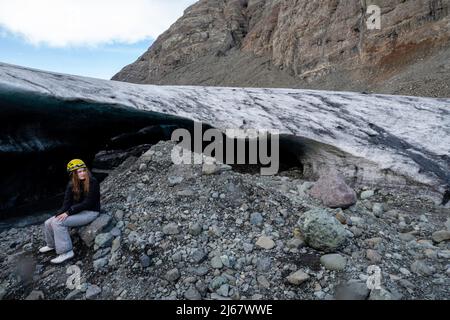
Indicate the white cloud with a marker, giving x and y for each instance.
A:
(61, 23)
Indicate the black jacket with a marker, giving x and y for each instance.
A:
(91, 201)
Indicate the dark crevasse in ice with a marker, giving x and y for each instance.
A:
(39, 134)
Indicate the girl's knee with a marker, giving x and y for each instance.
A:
(56, 222)
(49, 221)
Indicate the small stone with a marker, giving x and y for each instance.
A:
(444, 254)
(201, 271)
(216, 263)
(174, 180)
(217, 282)
(145, 261)
(263, 264)
(209, 168)
(403, 227)
(73, 294)
(406, 237)
(100, 263)
(263, 282)
(256, 219)
(223, 290)
(199, 256)
(172, 275)
(297, 277)
(304, 187)
(334, 262)
(405, 271)
(119, 215)
(115, 244)
(380, 294)
(378, 209)
(352, 290)
(226, 261)
(177, 257)
(195, 229)
(115, 232)
(104, 240)
(366, 194)
(357, 232)
(430, 253)
(171, 229)
(92, 292)
(35, 295)
(340, 216)
(373, 256)
(440, 236)
(192, 294)
(373, 242)
(142, 167)
(421, 268)
(295, 243)
(265, 242)
(248, 247)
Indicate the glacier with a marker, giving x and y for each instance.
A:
(48, 118)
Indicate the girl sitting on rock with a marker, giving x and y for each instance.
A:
(81, 206)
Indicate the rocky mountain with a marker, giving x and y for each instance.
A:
(304, 44)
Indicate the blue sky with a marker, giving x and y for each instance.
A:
(94, 38)
(102, 61)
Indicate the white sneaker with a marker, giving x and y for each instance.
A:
(46, 249)
(63, 257)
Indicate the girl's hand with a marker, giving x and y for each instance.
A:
(62, 217)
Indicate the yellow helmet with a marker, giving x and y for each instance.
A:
(75, 164)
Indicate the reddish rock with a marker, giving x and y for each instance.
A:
(332, 190)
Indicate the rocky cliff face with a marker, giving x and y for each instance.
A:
(304, 44)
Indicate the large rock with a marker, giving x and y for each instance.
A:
(265, 242)
(35, 295)
(352, 290)
(321, 230)
(441, 235)
(103, 240)
(90, 232)
(171, 229)
(92, 292)
(381, 294)
(334, 262)
(332, 190)
(298, 277)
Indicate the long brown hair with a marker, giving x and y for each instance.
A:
(76, 184)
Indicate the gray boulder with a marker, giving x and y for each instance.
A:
(333, 261)
(352, 290)
(322, 231)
